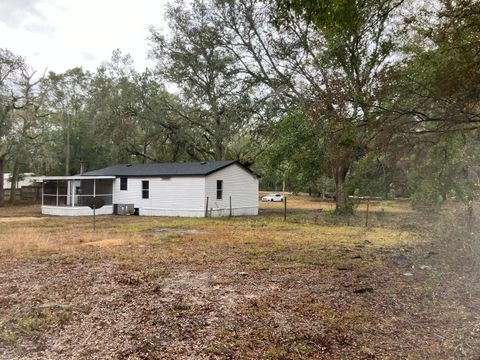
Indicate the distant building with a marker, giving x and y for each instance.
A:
(25, 179)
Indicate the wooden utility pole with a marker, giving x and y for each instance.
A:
(284, 208)
(67, 146)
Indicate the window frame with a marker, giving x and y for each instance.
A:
(219, 189)
(122, 179)
(145, 189)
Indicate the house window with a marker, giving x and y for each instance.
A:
(145, 190)
(219, 189)
(123, 183)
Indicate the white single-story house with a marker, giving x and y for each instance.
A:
(214, 188)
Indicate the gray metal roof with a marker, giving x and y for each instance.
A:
(164, 169)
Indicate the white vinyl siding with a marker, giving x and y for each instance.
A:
(239, 185)
(174, 196)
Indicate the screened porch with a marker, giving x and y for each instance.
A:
(68, 195)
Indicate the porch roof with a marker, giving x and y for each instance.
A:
(75, 177)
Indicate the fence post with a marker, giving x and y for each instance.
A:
(230, 206)
(366, 217)
(285, 208)
(206, 208)
(470, 216)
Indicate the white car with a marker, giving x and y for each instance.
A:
(273, 197)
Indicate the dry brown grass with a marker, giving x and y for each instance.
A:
(22, 233)
(298, 203)
(20, 210)
(30, 241)
(19, 219)
(40, 235)
(252, 287)
(295, 202)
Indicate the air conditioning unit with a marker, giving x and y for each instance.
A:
(123, 209)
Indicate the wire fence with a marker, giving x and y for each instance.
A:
(365, 211)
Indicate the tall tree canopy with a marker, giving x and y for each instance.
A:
(326, 95)
(216, 97)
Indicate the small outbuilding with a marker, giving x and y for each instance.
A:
(215, 188)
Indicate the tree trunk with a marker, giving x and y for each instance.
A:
(13, 185)
(2, 161)
(218, 151)
(324, 187)
(444, 195)
(341, 196)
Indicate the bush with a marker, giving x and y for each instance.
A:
(426, 197)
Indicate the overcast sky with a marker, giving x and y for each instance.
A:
(61, 34)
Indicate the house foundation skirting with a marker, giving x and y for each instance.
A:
(238, 211)
(76, 210)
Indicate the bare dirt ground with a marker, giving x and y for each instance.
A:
(241, 288)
